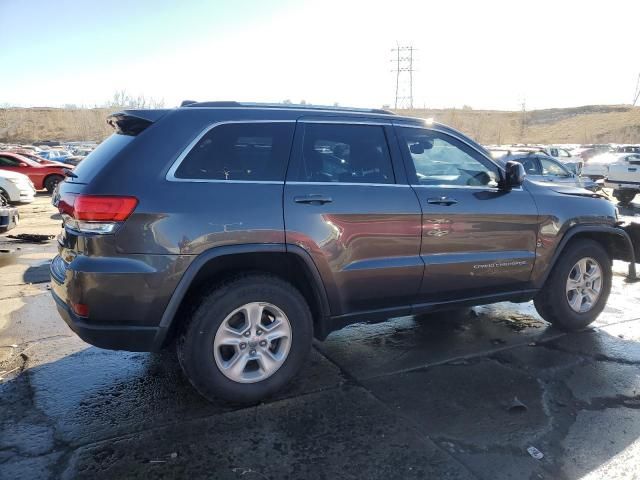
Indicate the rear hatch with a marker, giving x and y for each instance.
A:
(127, 125)
(90, 220)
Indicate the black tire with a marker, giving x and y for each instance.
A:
(52, 181)
(625, 197)
(194, 345)
(552, 303)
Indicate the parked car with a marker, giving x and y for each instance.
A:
(9, 216)
(249, 229)
(627, 149)
(15, 188)
(55, 155)
(42, 176)
(598, 166)
(573, 163)
(624, 178)
(32, 156)
(543, 168)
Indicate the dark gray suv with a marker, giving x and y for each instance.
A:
(238, 232)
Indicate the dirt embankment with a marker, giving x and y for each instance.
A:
(588, 124)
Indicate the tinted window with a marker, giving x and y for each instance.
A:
(9, 162)
(440, 159)
(530, 165)
(240, 151)
(345, 153)
(108, 149)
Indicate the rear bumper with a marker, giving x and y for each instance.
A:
(133, 339)
(621, 185)
(125, 296)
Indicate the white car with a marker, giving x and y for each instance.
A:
(624, 178)
(598, 167)
(16, 188)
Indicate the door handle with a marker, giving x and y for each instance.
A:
(313, 199)
(446, 201)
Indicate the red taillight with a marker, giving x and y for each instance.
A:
(98, 214)
(98, 208)
(80, 309)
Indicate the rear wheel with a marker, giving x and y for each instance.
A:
(625, 197)
(52, 181)
(577, 289)
(246, 339)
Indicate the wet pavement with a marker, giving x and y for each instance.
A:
(457, 395)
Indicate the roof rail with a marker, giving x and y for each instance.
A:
(231, 104)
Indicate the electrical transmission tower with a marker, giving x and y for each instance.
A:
(636, 94)
(403, 58)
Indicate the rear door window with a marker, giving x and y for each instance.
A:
(344, 153)
(240, 152)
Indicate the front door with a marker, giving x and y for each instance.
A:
(476, 239)
(346, 204)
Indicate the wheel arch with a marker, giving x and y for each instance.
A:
(48, 176)
(614, 240)
(291, 263)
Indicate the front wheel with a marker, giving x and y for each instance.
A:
(577, 289)
(246, 339)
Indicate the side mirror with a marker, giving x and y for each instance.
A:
(514, 175)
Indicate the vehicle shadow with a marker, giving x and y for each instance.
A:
(85, 399)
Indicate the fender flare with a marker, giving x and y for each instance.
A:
(202, 259)
(609, 229)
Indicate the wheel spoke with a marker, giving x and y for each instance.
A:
(572, 285)
(267, 362)
(582, 268)
(576, 300)
(253, 314)
(237, 364)
(228, 336)
(277, 330)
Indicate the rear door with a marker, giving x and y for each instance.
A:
(476, 238)
(347, 203)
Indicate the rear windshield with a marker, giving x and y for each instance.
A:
(92, 163)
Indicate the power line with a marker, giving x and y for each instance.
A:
(403, 58)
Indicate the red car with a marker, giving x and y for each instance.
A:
(42, 176)
(29, 154)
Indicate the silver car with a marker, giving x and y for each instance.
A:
(543, 168)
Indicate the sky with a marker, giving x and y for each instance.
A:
(486, 54)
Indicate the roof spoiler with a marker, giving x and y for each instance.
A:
(132, 122)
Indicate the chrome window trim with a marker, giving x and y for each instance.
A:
(470, 187)
(403, 185)
(171, 177)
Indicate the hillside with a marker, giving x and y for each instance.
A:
(588, 124)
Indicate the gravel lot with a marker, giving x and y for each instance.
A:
(445, 396)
